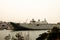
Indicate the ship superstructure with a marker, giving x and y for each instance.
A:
(38, 22)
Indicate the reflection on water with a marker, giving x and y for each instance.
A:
(28, 35)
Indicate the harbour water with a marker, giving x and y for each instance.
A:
(28, 35)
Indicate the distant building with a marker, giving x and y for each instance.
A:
(5, 25)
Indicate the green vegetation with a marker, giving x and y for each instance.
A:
(54, 34)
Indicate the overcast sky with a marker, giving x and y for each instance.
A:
(22, 10)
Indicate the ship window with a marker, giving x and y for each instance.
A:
(37, 25)
(3, 25)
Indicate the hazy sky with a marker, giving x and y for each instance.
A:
(20, 10)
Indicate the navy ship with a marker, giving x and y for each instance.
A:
(32, 25)
(40, 25)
